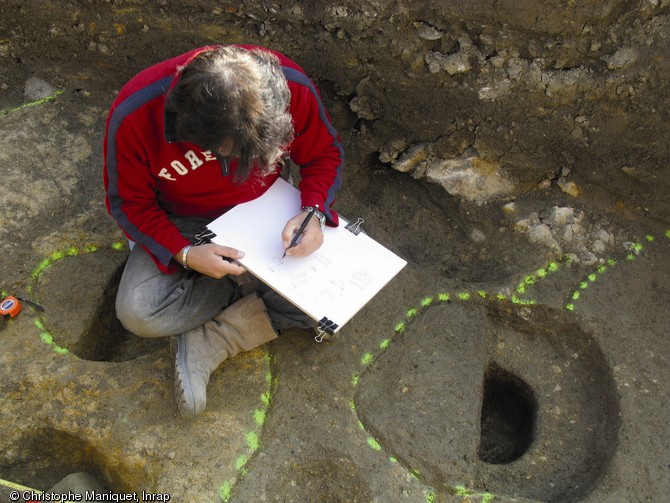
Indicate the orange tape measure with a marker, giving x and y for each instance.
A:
(10, 307)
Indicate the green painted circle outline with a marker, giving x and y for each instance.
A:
(517, 298)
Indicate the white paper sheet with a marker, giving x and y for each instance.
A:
(334, 282)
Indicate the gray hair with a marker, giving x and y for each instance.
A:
(234, 95)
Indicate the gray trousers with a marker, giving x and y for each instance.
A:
(150, 303)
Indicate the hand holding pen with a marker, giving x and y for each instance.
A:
(302, 235)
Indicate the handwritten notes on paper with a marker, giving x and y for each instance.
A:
(334, 282)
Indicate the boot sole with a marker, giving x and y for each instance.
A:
(183, 393)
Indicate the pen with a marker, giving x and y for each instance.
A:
(300, 230)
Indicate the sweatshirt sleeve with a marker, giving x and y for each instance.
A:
(131, 194)
(316, 147)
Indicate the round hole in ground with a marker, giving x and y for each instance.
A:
(78, 294)
(43, 457)
(507, 417)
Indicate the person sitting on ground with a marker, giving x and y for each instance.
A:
(186, 140)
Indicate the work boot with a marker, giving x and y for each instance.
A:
(240, 327)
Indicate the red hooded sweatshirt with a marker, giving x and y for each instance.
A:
(148, 174)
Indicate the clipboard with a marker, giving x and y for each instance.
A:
(332, 284)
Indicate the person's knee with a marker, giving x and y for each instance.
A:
(284, 314)
(137, 317)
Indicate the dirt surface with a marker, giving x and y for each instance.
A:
(514, 153)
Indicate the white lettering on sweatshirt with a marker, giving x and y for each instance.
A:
(180, 168)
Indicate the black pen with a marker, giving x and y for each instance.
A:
(300, 230)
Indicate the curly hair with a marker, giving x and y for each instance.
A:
(234, 96)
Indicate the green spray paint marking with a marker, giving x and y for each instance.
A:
(399, 330)
(259, 415)
(49, 340)
(73, 251)
(252, 438)
(461, 491)
(225, 491)
(252, 441)
(634, 248)
(240, 462)
(33, 103)
(411, 314)
(486, 497)
(529, 281)
(372, 442)
(533, 279)
(522, 302)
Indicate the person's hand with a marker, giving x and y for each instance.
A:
(210, 259)
(310, 240)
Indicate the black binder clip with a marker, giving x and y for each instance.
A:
(204, 236)
(325, 329)
(355, 227)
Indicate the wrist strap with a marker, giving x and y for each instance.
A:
(184, 256)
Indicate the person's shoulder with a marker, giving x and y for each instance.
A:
(159, 75)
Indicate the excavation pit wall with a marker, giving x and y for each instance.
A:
(535, 412)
